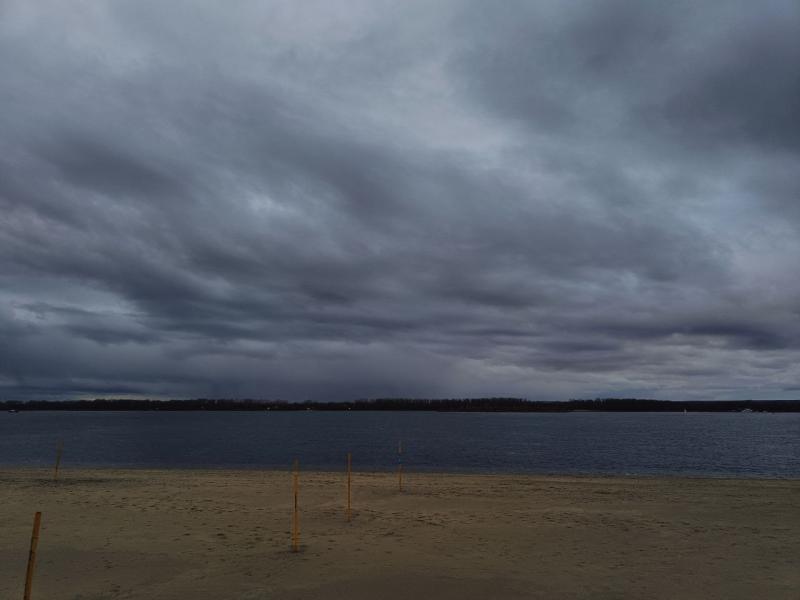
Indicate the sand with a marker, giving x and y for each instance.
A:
(226, 534)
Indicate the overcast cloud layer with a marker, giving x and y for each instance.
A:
(348, 199)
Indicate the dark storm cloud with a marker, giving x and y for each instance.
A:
(89, 165)
(336, 200)
(697, 74)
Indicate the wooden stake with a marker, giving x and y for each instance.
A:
(349, 478)
(400, 465)
(37, 521)
(58, 459)
(296, 513)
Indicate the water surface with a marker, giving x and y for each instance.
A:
(715, 444)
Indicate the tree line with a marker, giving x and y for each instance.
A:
(412, 404)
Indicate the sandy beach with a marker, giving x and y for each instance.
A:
(144, 534)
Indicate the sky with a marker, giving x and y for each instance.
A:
(332, 200)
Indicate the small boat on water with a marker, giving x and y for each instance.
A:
(13, 410)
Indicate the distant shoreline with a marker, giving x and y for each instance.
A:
(482, 405)
(44, 473)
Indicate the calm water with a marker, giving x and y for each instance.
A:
(743, 445)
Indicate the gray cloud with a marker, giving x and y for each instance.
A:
(340, 200)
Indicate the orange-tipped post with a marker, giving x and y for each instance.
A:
(349, 485)
(59, 451)
(296, 513)
(400, 466)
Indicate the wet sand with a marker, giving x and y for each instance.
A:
(139, 534)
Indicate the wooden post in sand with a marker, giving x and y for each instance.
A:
(37, 521)
(400, 466)
(349, 479)
(58, 459)
(296, 513)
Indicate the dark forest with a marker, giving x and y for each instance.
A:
(415, 404)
